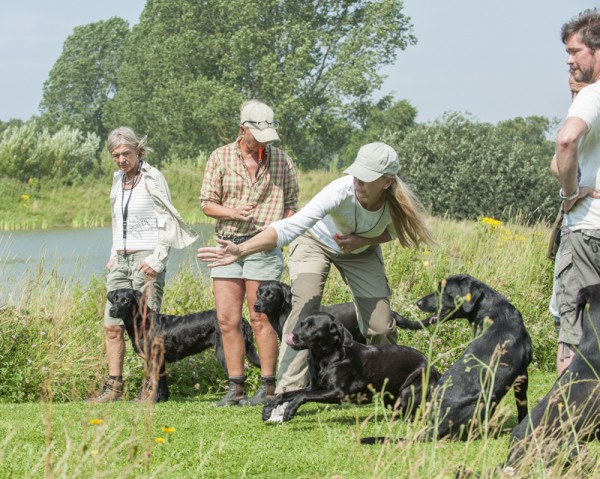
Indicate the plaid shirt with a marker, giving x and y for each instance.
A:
(227, 182)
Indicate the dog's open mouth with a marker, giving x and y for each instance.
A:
(438, 316)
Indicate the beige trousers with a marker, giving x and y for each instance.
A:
(364, 273)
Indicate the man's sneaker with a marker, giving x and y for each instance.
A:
(111, 391)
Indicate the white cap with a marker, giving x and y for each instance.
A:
(259, 119)
(373, 161)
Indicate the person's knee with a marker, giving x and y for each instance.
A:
(260, 323)
(229, 324)
(114, 333)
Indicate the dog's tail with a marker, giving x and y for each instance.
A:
(404, 323)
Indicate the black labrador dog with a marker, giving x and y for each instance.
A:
(342, 369)
(493, 362)
(164, 338)
(570, 412)
(274, 299)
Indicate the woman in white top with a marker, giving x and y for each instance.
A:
(344, 225)
(145, 226)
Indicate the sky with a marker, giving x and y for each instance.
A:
(492, 59)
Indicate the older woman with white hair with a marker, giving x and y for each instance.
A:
(145, 225)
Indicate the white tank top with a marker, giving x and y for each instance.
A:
(141, 231)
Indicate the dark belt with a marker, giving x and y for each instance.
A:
(236, 239)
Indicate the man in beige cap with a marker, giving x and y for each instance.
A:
(247, 185)
(343, 226)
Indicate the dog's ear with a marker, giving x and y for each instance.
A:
(583, 298)
(137, 295)
(287, 293)
(341, 334)
(471, 291)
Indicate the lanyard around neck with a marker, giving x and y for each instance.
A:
(356, 219)
(125, 207)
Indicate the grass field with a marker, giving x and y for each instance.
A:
(52, 357)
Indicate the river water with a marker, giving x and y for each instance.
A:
(75, 253)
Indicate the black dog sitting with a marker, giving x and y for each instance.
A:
(160, 338)
(570, 412)
(492, 363)
(343, 369)
(274, 299)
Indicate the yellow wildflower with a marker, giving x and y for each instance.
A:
(24, 197)
(96, 422)
(168, 430)
(491, 222)
(159, 440)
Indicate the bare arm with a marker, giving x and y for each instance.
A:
(348, 243)
(566, 156)
(229, 252)
(220, 212)
(554, 167)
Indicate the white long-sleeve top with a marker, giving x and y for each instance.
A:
(335, 209)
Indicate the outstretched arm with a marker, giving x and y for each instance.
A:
(228, 252)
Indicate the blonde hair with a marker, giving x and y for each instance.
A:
(126, 136)
(408, 214)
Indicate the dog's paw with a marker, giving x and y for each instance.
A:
(277, 413)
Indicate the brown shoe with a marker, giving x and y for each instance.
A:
(111, 391)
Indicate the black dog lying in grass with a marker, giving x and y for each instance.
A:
(492, 363)
(274, 299)
(570, 412)
(160, 338)
(342, 369)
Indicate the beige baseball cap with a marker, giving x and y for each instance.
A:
(373, 161)
(259, 118)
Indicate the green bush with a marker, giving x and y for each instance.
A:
(465, 169)
(30, 152)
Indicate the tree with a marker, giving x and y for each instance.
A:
(387, 121)
(467, 169)
(84, 78)
(188, 66)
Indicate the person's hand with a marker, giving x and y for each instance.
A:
(147, 270)
(348, 243)
(583, 192)
(242, 213)
(110, 263)
(222, 255)
(587, 191)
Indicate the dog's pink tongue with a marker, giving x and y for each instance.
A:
(289, 339)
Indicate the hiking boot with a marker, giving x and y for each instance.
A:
(111, 391)
(264, 393)
(146, 393)
(235, 392)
